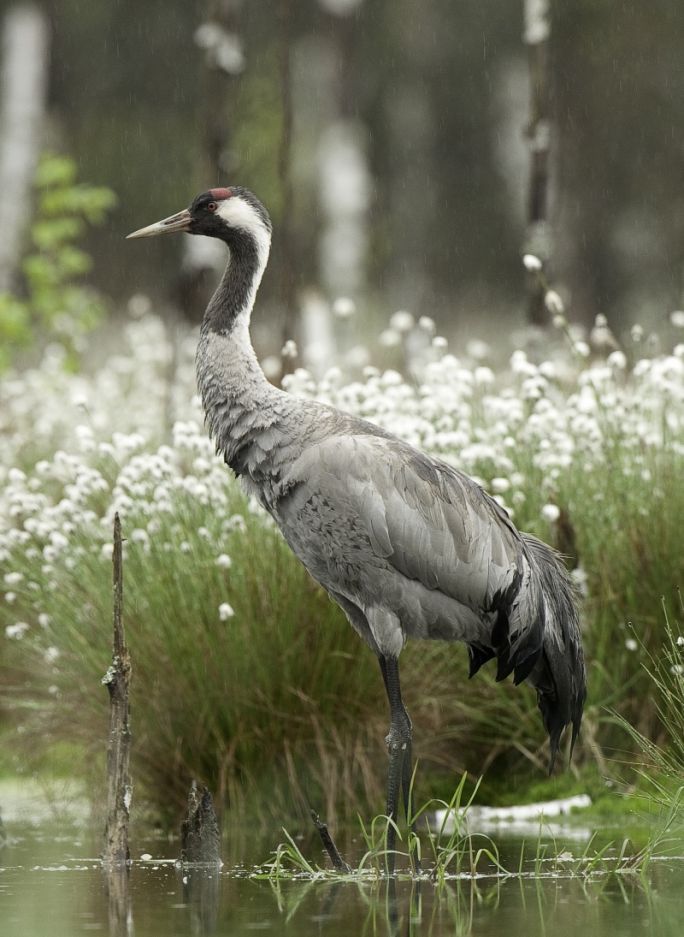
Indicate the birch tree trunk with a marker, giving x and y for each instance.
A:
(344, 187)
(538, 235)
(288, 292)
(23, 88)
(223, 60)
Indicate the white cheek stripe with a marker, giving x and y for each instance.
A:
(240, 214)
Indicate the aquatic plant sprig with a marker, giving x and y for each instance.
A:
(456, 853)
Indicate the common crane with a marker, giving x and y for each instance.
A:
(408, 546)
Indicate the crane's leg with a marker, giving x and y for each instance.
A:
(399, 747)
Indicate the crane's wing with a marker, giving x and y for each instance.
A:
(428, 524)
(427, 521)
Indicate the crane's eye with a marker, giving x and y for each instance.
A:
(212, 206)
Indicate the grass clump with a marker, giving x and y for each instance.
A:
(445, 848)
(663, 771)
(211, 697)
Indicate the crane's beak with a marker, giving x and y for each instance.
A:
(178, 222)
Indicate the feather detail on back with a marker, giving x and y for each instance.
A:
(397, 532)
(419, 538)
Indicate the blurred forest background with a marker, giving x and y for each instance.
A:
(409, 151)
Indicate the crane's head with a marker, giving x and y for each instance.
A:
(234, 215)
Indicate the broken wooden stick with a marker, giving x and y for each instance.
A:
(117, 680)
(329, 844)
(200, 832)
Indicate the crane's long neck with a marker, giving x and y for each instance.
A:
(239, 403)
(232, 303)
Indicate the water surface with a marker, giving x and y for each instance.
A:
(51, 883)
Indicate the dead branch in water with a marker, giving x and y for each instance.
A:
(117, 680)
(200, 833)
(333, 852)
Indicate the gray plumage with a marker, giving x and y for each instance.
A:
(408, 546)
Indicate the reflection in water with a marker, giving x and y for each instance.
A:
(487, 907)
(46, 876)
(202, 893)
(116, 881)
(394, 908)
(403, 910)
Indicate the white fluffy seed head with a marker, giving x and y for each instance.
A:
(554, 303)
(343, 307)
(531, 262)
(550, 513)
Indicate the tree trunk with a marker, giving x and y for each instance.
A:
(217, 36)
(23, 87)
(288, 292)
(538, 235)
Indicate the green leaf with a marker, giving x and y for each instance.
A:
(14, 319)
(55, 171)
(57, 306)
(49, 234)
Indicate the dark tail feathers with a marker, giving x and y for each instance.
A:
(558, 676)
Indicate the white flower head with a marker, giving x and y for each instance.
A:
(224, 561)
(618, 360)
(344, 307)
(478, 349)
(550, 513)
(631, 644)
(271, 366)
(484, 376)
(139, 305)
(531, 262)
(677, 318)
(402, 321)
(500, 485)
(225, 611)
(17, 630)
(390, 338)
(554, 303)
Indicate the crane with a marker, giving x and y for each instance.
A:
(406, 545)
